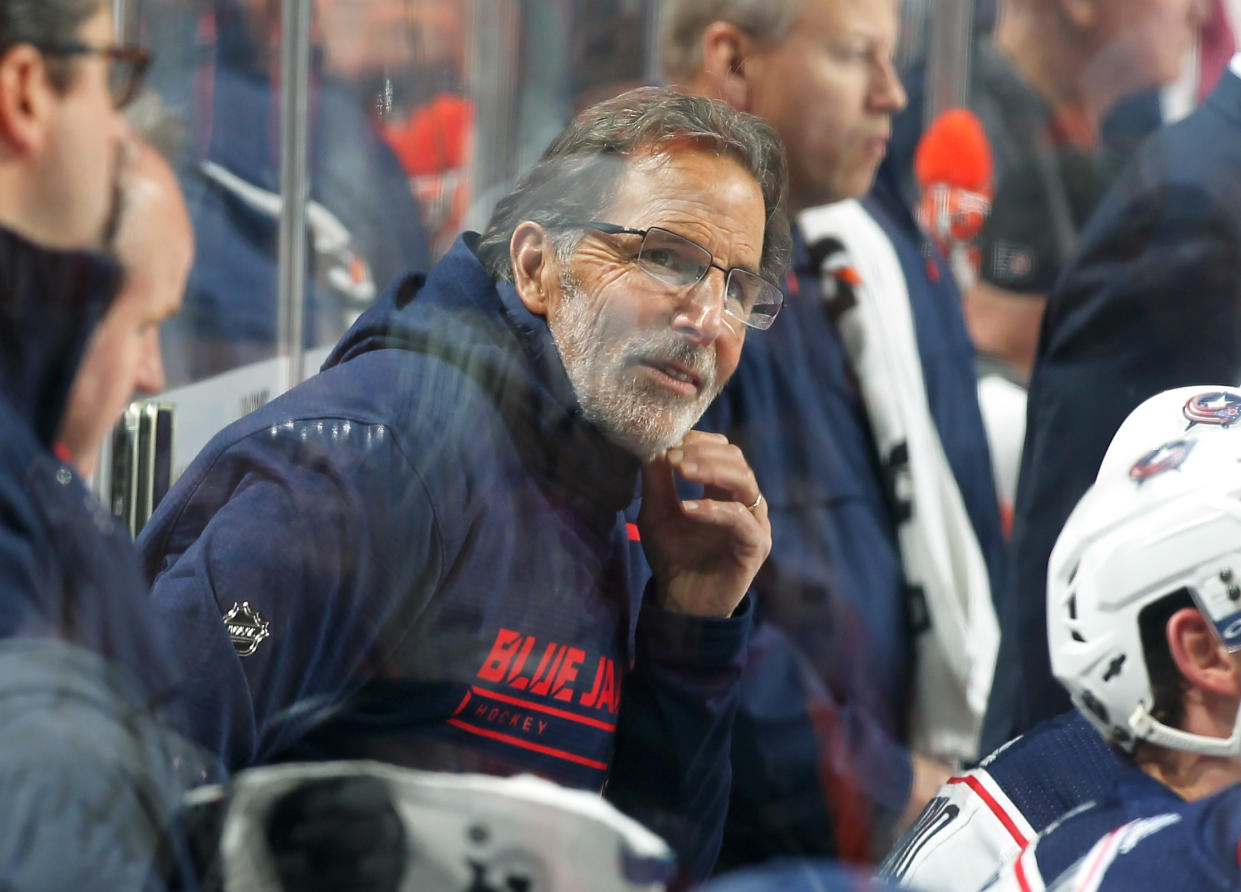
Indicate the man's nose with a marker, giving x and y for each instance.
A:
(887, 92)
(700, 311)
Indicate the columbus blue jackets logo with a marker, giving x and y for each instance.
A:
(1217, 407)
(1167, 457)
(246, 628)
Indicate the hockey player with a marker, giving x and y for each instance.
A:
(987, 816)
(1144, 624)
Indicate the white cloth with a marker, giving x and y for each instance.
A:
(940, 553)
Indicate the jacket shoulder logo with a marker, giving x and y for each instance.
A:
(247, 629)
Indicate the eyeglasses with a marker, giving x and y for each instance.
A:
(126, 69)
(682, 263)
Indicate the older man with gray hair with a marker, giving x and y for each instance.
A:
(420, 555)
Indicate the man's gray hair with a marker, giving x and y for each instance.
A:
(579, 173)
(682, 22)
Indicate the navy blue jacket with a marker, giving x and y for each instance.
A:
(87, 780)
(820, 766)
(1152, 301)
(66, 570)
(435, 540)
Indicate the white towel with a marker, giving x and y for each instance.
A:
(955, 658)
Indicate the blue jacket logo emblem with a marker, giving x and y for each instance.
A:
(1217, 407)
(1167, 457)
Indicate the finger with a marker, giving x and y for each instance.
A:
(702, 437)
(748, 528)
(720, 468)
(659, 490)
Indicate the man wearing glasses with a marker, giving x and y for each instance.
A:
(87, 776)
(420, 555)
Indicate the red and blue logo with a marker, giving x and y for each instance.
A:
(1167, 457)
(1217, 407)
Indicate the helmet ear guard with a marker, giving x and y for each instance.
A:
(1165, 521)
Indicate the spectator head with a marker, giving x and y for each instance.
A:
(155, 246)
(819, 71)
(62, 80)
(1095, 52)
(648, 235)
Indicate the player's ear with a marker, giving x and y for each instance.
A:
(533, 257)
(1200, 656)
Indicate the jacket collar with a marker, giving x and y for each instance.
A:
(50, 302)
(458, 312)
(1226, 97)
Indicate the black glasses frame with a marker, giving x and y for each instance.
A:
(126, 70)
(758, 319)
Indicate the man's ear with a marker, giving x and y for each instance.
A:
(725, 49)
(25, 96)
(1199, 654)
(1082, 14)
(533, 257)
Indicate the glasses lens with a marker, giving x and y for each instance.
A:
(753, 299)
(672, 259)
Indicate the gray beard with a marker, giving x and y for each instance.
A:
(638, 417)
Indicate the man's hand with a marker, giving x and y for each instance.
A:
(705, 552)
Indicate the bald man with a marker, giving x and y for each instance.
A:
(155, 245)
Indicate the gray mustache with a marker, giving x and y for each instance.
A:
(670, 347)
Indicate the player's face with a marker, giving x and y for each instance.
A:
(830, 89)
(645, 359)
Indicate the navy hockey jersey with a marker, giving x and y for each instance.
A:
(1136, 796)
(1194, 846)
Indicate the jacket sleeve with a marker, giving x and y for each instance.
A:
(92, 781)
(321, 535)
(671, 766)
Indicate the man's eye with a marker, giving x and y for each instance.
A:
(664, 257)
(851, 53)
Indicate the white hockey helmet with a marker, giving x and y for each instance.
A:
(1165, 519)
